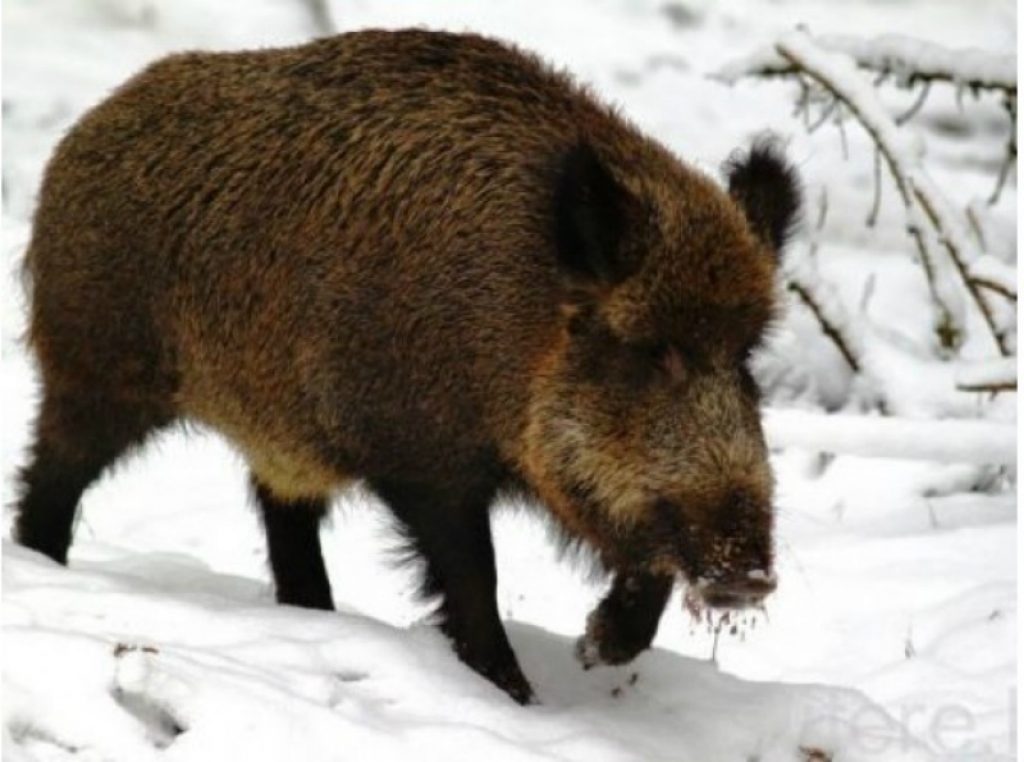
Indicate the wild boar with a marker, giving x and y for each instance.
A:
(432, 264)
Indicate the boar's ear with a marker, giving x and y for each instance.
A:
(766, 187)
(591, 219)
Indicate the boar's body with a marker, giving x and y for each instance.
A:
(338, 254)
(371, 258)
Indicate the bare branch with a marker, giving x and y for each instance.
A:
(803, 103)
(992, 376)
(802, 279)
(842, 133)
(997, 287)
(922, 96)
(994, 388)
(876, 203)
(995, 275)
(975, 223)
(1010, 103)
(829, 328)
(826, 112)
(822, 210)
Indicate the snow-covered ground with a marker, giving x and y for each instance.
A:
(892, 635)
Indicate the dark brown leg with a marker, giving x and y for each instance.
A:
(452, 534)
(76, 438)
(293, 541)
(625, 622)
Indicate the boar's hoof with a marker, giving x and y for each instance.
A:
(515, 685)
(626, 620)
(604, 643)
(504, 673)
(588, 652)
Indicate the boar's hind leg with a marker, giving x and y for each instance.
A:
(453, 536)
(76, 437)
(625, 622)
(293, 541)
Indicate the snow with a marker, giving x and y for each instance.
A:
(904, 56)
(893, 633)
(197, 676)
(887, 437)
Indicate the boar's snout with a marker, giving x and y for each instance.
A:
(726, 552)
(740, 592)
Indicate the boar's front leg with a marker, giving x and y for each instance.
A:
(626, 620)
(452, 533)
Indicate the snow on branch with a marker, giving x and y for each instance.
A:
(948, 441)
(909, 61)
(995, 275)
(998, 375)
(940, 236)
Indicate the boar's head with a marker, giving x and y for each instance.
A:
(644, 433)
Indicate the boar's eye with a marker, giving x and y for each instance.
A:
(672, 364)
(667, 362)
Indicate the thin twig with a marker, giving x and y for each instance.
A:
(830, 329)
(801, 281)
(822, 209)
(842, 133)
(975, 223)
(823, 117)
(803, 103)
(995, 388)
(999, 288)
(922, 96)
(991, 376)
(867, 293)
(1010, 103)
(876, 203)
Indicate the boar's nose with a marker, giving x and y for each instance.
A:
(738, 593)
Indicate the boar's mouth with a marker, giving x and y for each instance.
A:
(729, 569)
(737, 593)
